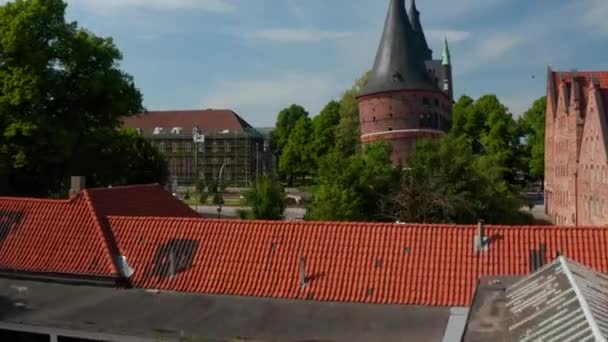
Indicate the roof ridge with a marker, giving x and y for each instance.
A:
(47, 200)
(109, 244)
(582, 300)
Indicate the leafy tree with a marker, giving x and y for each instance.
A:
(348, 132)
(324, 128)
(351, 188)
(286, 122)
(473, 173)
(61, 98)
(267, 199)
(492, 133)
(297, 160)
(125, 150)
(532, 126)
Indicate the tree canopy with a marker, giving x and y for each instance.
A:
(348, 133)
(532, 125)
(473, 173)
(350, 188)
(286, 122)
(267, 199)
(297, 161)
(61, 98)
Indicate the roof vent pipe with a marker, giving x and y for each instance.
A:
(481, 240)
(302, 272)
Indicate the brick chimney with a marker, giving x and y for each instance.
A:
(77, 184)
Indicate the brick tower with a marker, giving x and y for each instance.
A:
(409, 95)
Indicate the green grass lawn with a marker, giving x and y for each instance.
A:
(228, 201)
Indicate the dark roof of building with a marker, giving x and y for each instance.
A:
(88, 311)
(562, 301)
(488, 316)
(207, 121)
(69, 237)
(399, 62)
(344, 262)
(421, 43)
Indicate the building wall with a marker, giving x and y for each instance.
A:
(243, 155)
(402, 118)
(592, 168)
(576, 169)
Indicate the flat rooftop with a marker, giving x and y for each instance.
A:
(90, 312)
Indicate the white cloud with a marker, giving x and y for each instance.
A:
(259, 100)
(288, 35)
(204, 5)
(595, 17)
(453, 36)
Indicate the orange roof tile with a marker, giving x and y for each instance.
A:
(51, 236)
(70, 237)
(352, 262)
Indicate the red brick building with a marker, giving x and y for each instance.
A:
(576, 179)
(409, 95)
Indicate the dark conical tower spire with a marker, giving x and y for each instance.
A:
(421, 43)
(399, 63)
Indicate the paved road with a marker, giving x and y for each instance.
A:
(290, 213)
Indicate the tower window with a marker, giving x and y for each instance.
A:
(390, 128)
(374, 118)
(390, 115)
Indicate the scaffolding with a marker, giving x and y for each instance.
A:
(244, 155)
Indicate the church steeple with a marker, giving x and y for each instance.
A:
(421, 43)
(399, 62)
(446, 59)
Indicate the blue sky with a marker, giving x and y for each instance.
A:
(259, 56)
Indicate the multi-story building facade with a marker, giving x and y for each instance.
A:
(225, 142)
(576, 137)
(409, 95)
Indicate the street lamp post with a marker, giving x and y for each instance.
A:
(219, 208)
(197, 139)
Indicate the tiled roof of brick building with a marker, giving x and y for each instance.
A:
(584, 78)
(138, 200)
(207, 121)
(53, 236)
(351, 262)
(69, 237)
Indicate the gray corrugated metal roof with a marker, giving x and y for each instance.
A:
(563, 301)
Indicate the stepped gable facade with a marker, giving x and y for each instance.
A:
(576, 136)
(409, 95)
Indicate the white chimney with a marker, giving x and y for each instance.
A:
(77, 184)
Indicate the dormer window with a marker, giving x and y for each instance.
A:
(195, 131)
(158, 130)
(177, 130)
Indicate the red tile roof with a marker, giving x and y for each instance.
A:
(584, 79)
(51, 236)
(138, 200)
(352, 262)
(70, 237)
(208, 121)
